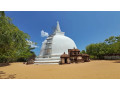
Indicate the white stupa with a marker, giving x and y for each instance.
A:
(54, 46)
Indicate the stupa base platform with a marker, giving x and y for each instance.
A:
(47, 61)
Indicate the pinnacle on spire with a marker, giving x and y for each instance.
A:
(58, 27)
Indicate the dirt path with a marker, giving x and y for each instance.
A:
(89, 70)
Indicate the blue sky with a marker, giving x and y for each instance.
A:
(84, 27)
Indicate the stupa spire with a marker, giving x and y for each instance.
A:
(58, 30)
(58, 27)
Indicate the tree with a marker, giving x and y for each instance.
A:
(13, 42)
(109, 46)
(83, 52)
(2, 13)
(111, 40)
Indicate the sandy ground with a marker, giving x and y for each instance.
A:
(89, 70)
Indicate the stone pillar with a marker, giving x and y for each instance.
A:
(68, 60)
(62, 60)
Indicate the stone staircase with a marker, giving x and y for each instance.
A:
(47, 61)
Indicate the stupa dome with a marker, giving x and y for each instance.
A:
(61, 44)
(56, 44)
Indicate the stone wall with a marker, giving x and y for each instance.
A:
(112, 57)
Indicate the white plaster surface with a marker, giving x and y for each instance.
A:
(56, 45)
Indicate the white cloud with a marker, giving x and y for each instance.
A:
(32, 44)
(44, 34)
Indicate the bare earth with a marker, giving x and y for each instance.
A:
(89, 70)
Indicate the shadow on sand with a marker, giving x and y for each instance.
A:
(4, 64)
(3, 75)
(117, 61)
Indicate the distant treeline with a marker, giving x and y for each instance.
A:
(13, 42)
(110, 46)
